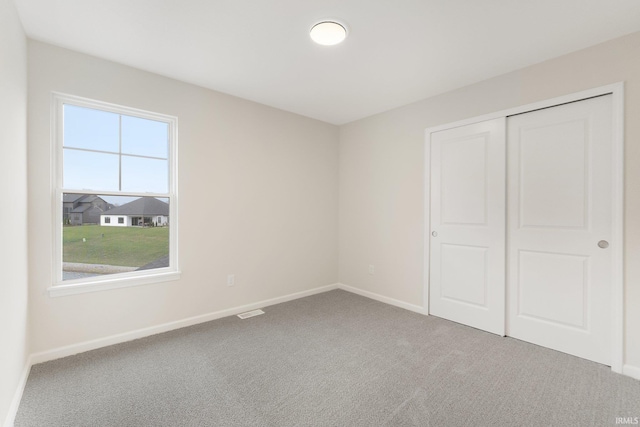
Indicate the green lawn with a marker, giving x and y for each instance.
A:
(126, 246)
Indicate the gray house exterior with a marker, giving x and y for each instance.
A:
(80, 209)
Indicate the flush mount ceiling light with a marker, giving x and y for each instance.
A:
(328, 33)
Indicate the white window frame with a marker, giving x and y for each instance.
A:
(119, 280)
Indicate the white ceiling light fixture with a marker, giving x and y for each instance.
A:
(328, 33)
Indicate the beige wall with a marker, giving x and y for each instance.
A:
(258, 191)
(381, 171)
(13, 187)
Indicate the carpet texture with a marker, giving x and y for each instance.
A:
(333, 359)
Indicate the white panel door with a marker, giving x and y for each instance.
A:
(559, 209)
(467, 233)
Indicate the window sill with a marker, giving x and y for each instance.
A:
(87, 285)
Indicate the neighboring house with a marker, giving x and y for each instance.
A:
(140, 212)
(79, 209)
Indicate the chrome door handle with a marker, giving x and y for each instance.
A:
(603, 244)
(434, 233)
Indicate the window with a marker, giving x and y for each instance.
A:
(112, 161)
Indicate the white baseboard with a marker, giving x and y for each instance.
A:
(631, 371)
(382, 298)
(17, 397)
(70, 350)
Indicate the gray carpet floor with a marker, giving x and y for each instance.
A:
(333, 359)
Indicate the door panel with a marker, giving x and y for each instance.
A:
(559, 208)
(467, 252)
(464, 177)
(552, 155)
(562, 276)
(467, 285)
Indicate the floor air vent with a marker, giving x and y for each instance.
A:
(250, 314)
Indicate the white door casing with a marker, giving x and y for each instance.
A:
(559, 211)
(467, 241)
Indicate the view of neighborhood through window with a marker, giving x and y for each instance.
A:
(114, 234)
(110, 162)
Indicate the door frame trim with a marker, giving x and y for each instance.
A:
(616, 90)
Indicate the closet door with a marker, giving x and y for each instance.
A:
(560, 182)
(467, 233)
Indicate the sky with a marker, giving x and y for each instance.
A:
(89, 129)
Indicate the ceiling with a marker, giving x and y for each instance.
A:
(397, 52)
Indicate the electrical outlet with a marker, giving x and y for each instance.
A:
(231, 279)
(372, 269)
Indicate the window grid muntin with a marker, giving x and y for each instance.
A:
(119, 153)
